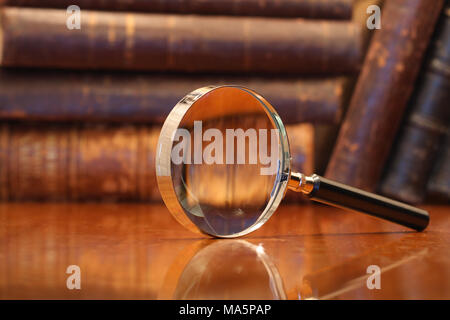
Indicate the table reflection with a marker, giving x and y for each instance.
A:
(137, 251)
(227, 269)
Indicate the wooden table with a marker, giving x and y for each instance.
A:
(137, 251)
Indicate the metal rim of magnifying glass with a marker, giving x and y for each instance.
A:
(163, 161)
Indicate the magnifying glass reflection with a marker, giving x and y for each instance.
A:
(234, 269)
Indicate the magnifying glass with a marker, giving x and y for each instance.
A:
(223, 167)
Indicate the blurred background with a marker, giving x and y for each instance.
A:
(83, 93)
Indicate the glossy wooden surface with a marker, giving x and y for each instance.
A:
(137, 251)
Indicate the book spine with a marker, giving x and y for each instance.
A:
(426, 124)
(438, 187)
(382, 91)
(360, 17)
(324, 9)
(94, 97)
(69, 162)
(128, 41)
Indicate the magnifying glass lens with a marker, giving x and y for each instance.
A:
(225, 161)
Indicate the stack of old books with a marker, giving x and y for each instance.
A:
(83, 93)
(395, 135)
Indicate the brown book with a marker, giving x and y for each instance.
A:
(112, 97)
(40, 38)
(67, 162)
(71, 162)
(323, 9)
(438, 187)
(360, 17)
(382, 92)
(427, 122)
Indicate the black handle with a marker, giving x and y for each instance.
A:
(340, 195)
